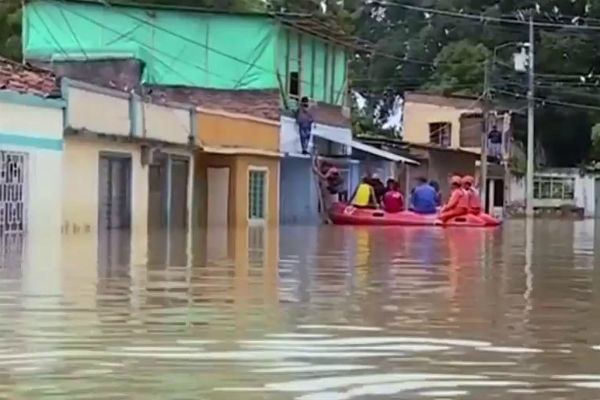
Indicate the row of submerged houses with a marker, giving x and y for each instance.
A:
(153, 118)
(125, 117)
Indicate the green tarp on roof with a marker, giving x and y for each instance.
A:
(178, 47)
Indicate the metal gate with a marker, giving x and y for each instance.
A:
(13, 207)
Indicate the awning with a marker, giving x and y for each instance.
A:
(382, 153)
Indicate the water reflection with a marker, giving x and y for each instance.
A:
(306, 313)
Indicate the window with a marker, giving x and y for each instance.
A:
(257, 184)
(440, 133)
(554, 187)
(294, 89)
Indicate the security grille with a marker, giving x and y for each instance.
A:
(13, 207)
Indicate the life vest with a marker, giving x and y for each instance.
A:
(463, 201)
(362, 198)
(459, 200)
(474, 201)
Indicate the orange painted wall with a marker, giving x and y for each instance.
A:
(239, 166)
(232, 130)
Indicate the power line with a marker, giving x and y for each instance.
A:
(553, 102)
(484, 18)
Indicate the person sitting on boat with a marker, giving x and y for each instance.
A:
(438, 193)
(458, 204)
(378, 187)
(393, 201)
(364, 195)
(423, 198)
(472, 195)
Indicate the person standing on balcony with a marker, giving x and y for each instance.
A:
(495, 143)
(305, 121)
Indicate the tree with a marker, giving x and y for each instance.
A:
(10, 29)
(459, 68)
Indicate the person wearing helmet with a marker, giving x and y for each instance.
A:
(472, 196)
(458, 204)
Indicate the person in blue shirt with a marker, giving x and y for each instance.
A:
(436, 187)
(423, 199)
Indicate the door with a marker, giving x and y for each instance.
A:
(217, 180)
(168, 210)
(114, 192)
(178, 210)
(114, 213)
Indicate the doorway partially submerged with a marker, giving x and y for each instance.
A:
(168, 179)
(114, 213)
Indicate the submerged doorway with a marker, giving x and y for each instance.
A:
(114, 212)
(167, 210)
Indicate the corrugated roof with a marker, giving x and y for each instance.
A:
(25, 78)
(256, 103)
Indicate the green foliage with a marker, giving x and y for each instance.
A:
(10, 29)
(460, 69)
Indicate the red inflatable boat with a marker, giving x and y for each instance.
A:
(343, 214)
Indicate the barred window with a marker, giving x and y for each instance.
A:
(257, 194)
(554, 188)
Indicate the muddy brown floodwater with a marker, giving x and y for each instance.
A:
(307, 313)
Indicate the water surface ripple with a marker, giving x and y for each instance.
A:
(309, 313)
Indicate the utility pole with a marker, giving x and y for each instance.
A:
(530, 122)
(484, 137)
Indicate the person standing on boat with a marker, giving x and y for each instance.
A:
(458, 204)
(423, 199)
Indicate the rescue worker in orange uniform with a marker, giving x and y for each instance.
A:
(472, 196)
(458, 204)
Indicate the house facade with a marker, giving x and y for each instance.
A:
(31, 167)
(559, 191)
(231, 64)
(448, 132)
(128, 168)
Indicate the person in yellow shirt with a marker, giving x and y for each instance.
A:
(364, 195)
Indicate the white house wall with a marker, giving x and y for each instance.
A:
(584, 192)
(167, 124)
(37, 132)
(98, 112)
(31, 121)
(289, 138)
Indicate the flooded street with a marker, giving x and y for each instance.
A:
(308, 313)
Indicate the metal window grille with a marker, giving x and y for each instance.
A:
(257, 194)
(13, 207)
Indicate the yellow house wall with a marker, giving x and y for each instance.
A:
(232, 130)
(98, 112)
(239, 166)
(80, 189)
(418, 116)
